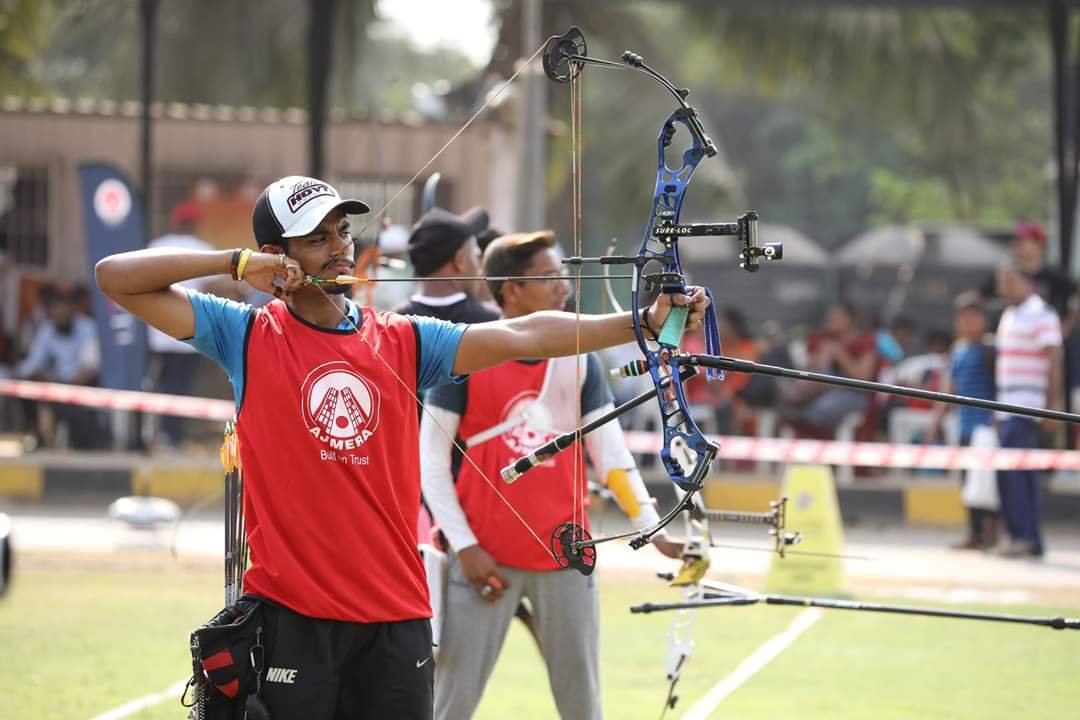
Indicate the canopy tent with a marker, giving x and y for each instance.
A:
(954, 246)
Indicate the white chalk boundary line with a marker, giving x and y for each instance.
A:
(752, 664)
(133, 706)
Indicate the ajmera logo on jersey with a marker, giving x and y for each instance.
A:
(341, 408)
(304, 192)
(525, 437)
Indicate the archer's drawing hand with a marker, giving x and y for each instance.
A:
(482, 572)
(695, 299)
(274, 273)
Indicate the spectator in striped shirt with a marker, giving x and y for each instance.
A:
(1029, 372)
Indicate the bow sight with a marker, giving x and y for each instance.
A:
(745, 228)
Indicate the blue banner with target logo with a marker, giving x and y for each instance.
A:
(113, 220)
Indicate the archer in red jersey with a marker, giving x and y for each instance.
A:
(500, 414)
(325, 392)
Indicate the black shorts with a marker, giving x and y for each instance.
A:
(334, 670)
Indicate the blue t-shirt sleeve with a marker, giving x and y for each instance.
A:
(221, 328)
(595, 392)
(439, 341)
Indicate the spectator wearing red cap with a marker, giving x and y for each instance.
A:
(1053, 286)
(174, 364)
(185, 217)
(1029, 251)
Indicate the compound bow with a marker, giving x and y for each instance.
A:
(686, 453)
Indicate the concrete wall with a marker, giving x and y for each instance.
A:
(260, 145)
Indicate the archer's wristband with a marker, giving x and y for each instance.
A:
(241, 266)
(234, 261)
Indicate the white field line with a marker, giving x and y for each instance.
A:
(133, 706)
(755, 662)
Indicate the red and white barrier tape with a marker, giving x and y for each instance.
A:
(180, 405)
(828, 452)
(780, 450)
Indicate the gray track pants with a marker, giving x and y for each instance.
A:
(564, 603)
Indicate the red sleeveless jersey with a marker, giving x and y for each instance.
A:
(544, 497)
(329, 446)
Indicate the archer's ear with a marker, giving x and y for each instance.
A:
(275, 249)
(510, 292)
(460, 261)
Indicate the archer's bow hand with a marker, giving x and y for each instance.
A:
(667, 546)
(695, 299)
(274, 273)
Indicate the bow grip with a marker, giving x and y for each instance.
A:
(671, 333)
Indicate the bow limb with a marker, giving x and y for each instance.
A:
(609, 290)
(428, 196)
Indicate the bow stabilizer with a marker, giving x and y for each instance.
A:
(722, 595)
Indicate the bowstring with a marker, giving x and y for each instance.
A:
(492, 97)
(442, 428)
(575, 212)
(372, 219)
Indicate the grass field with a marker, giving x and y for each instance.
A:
(76, 641)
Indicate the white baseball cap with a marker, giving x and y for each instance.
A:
(294, 206)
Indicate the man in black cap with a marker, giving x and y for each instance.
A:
(444, 245)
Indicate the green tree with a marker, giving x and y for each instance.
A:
(829, 119)
(231, 53)
(25, 29)
(948, 110)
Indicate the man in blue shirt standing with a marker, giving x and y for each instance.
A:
(971, 373)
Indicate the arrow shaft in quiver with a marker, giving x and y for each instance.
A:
(236, 550)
